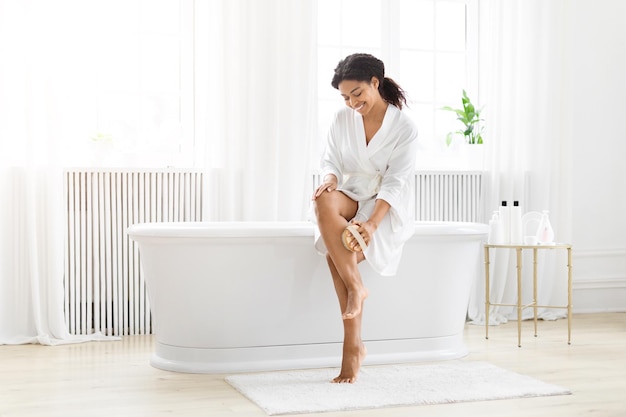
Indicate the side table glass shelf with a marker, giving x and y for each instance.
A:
(519, 305)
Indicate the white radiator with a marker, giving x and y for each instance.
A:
(444, 195)
(448, 196)
(104, 287)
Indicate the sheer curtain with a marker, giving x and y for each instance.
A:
(260, 110)
(254, 122)
(523, 86)
(34, 76)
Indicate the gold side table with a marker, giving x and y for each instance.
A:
(520, 307)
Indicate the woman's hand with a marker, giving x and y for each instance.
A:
(366, 229)
(329, 184)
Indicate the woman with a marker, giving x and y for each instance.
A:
(367, 170)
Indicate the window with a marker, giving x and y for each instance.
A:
(134, 76)
(135, 105)
(428, 46)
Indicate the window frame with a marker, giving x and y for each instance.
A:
(390, 52)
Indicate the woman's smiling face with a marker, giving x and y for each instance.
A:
(360, 95)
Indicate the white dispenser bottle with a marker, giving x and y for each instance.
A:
(545, 233)
(495, 229)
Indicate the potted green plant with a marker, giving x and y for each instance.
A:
(470, 117)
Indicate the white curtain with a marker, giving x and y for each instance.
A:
(33, 81)
(260, 108)
(524, 88)
(254, 119)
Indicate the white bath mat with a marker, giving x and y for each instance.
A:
(309, 391)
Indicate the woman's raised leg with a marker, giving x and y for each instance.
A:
(333, 210)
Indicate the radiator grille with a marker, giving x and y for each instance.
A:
(448, 196)
(104, 286)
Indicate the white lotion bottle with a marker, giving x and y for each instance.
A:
(505, 224)
(516, 234)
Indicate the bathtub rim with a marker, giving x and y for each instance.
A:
(281, 229)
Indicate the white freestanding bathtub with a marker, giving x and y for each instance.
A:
(245, 296)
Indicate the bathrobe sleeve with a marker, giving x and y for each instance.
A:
(331, 162)
(397, 179)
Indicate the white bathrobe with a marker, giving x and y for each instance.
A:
(383, 169)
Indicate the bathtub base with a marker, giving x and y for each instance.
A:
(277, 309)
(322, 355)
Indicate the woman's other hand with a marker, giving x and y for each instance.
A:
(329, 184)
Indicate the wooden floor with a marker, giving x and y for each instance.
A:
(115, 378)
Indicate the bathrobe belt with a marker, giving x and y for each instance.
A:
(373, 186)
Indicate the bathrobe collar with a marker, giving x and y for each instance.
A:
(378, 140)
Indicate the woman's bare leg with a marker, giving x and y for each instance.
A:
(353, 348)
(333, 210)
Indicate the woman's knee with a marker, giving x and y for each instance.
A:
(334, 203)
(325, 204)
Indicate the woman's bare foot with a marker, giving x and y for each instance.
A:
(354, 305)
(351, 364)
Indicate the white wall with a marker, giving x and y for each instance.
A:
(598, 87)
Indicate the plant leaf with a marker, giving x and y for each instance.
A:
(470, 117)
(449, 139)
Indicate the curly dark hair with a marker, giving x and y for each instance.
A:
(362, 67)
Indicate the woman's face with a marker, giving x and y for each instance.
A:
(360, 95)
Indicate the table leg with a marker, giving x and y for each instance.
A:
(535, 288)
(487, 306)
(519, 297)
(569, 296)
